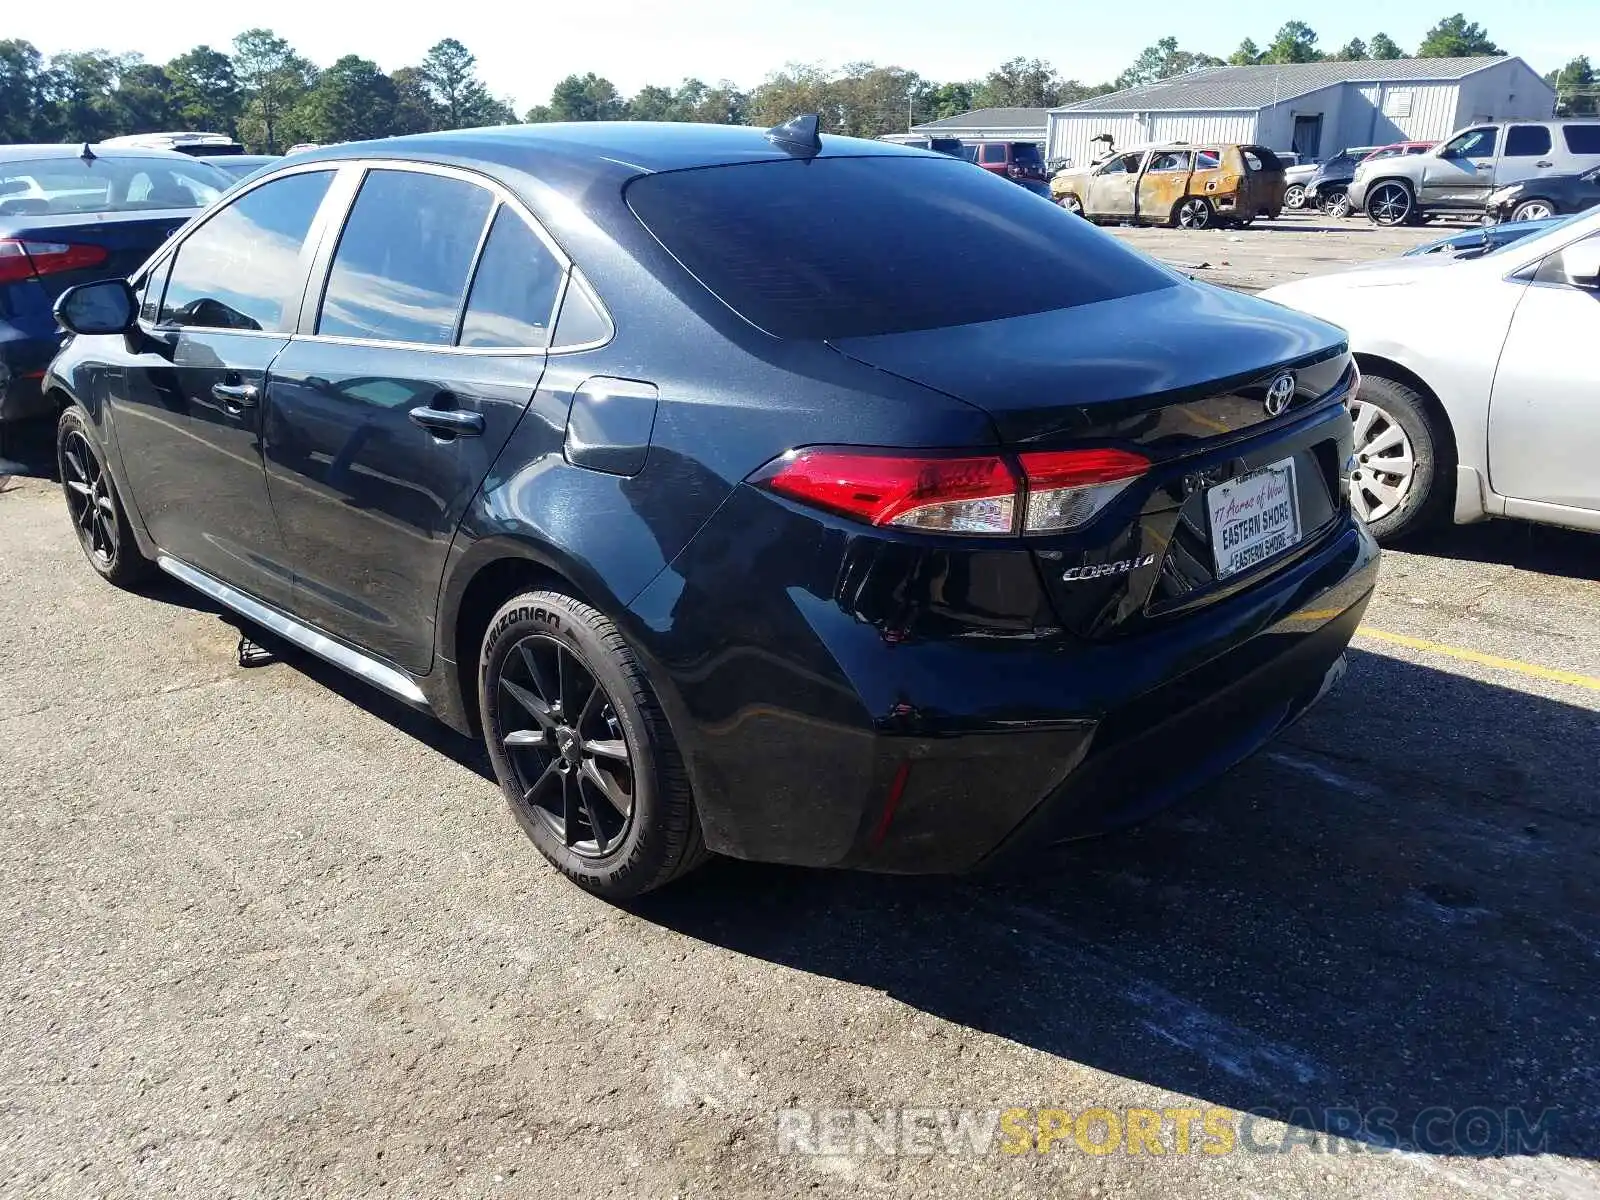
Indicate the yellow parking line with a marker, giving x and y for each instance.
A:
(1483, 660)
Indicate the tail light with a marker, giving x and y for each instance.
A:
(1041, 492)
(21, 260)
(1068, 488)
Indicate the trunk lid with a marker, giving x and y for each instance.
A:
(1182, 375)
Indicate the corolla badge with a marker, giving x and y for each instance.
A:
(1101, 570)
(1279, 394)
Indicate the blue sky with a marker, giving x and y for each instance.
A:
(523, 48)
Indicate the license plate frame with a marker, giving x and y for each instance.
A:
(1266, 496)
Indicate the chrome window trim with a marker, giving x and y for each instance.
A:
(571, 274)
(506, 198)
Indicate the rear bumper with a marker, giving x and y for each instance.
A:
(835, 745)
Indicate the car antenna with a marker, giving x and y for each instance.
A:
(800, 135)
(88, 155)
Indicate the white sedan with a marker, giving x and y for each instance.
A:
(1480, 398)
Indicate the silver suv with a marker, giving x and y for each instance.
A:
(1459, 174)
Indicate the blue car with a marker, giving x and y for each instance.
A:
(1472, 243)
(795, 498)
(73, 214)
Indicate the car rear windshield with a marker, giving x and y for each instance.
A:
(1026, 152)
(851, 247)
(52, 186)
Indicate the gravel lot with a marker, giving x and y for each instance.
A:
(1297, 244)
(266, 933)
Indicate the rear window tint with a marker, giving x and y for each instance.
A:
(1582, 139)
(1026, 152)
(851, 247)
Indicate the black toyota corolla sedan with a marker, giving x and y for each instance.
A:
(800, 499)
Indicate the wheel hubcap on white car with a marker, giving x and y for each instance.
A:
(1385, 463)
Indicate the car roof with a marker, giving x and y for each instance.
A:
(26, 153)
(618, 149)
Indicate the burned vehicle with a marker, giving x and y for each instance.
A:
(1177, 184)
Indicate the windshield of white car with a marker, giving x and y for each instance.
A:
(54, 186)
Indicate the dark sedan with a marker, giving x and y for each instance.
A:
(1546, 196)
(70, 214)
(718, 480)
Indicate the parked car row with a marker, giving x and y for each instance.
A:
(1502, 171)
(691, 469)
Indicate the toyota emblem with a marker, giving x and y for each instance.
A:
(1280, 392)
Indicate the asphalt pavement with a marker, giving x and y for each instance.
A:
(265, 933)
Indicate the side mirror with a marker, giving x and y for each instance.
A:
(1580, 264)
(104, 307)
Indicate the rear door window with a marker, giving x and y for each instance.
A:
(514, 288)
(850, 247)
(244, 268)
(1170, 160)
(1207, 160)
(400, 272)
(1582, 139)
(1527, 141)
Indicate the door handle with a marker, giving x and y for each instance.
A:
(236, 395)
(448, 422)
(1544, 164)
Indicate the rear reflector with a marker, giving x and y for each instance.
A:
(1058, 490)
(21, 260)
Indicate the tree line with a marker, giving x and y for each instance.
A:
(269, 96)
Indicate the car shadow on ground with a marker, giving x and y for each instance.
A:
(1568, 553)
(1393, 911)
(28, 448)
(467, 752)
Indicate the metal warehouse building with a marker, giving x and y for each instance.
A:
(1313, 108)
(990, 124)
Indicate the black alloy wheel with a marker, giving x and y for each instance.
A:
(93, 514)
(582, 750)
(94, 506)
(565, 744)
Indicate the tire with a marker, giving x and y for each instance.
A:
(540, 649)
(1395, 416)
(1533, 210)
(98, 517)
(1193, 212)
(1295, 197)
(1391, 203)
(1072, 204)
